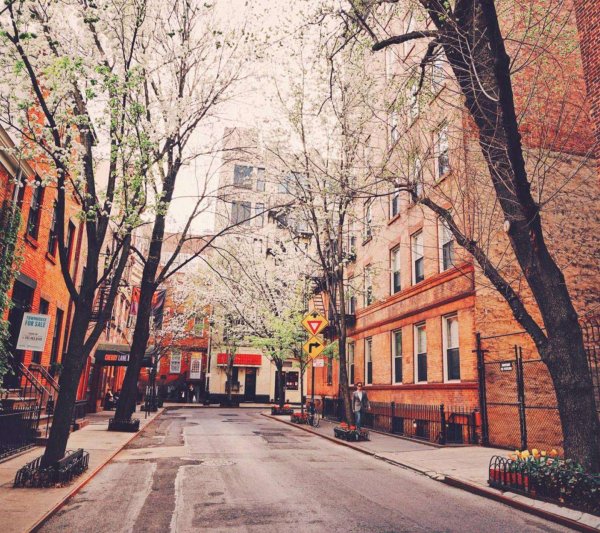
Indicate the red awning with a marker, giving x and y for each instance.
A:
(241, 359)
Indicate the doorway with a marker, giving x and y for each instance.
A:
(250, 385)
(22, 298)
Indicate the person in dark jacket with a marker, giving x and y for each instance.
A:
(360, 404)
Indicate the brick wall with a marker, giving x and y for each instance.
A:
(588, 25)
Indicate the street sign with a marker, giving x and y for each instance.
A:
(34, 330)
(313, 347)
(314, 323)
(318, 363)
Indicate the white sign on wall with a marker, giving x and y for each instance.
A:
(318, 363)
(34, 330)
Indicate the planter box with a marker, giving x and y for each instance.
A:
(282, 411)
(130, 426)
(299, 418)
(350, 435)
(509, 480)
(33, 475)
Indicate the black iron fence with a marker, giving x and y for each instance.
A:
(435, 423)
(18, 427)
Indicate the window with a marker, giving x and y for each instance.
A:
(451, 351)
(395, 270)
(438, 74)
(443, 159)
(199, 326)
(397, 355)
(413, 102)
(418, 273)
(259, 213)
(291, 380)
(394, 130)
(260, 179)
(175, 363)
(395, 203)
(368, 361)
(351, 299)
(330, 370)
(417, 177)
(240, 212)
(195, 368)
(242, 176)
(56, 335)
(351, 362)
(368, 286)
(52, 237)
(420, 353)
(43, 310)
(35, 207)
(446, 247)
(368, 219)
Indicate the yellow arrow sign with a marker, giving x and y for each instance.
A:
(314, 323)
(313, 347)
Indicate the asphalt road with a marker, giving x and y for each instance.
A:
(237, 471)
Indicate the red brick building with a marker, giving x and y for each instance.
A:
(39, 286)
(417, 301)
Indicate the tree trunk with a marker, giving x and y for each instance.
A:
(128, 397)
(281, 382)
(68, 382)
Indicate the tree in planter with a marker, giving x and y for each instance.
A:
(328, 176)
(282, 341)
(469, 35)
(202, 70)
(76, 113)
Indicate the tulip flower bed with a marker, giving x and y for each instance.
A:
(299, 418)
(285, 410)
(546, 476)
(350, 433)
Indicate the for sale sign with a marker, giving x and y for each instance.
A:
(34, 330)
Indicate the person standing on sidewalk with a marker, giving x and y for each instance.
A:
(360, 404)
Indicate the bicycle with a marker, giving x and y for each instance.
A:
(313, 415)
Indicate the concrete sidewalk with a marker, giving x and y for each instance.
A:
(464, 467)
(23, 509)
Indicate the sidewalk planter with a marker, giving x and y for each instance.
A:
(285, 410)
(299, 418)
(131, 426)
(33, 475)
(547, 477)
(350, 433)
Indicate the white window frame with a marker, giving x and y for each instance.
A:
(417, 252)
(175, 358)
(368, 220)
(368, 358)
(438, 74)
(416, 352)
(394, 124)
(442, 145)
(446, 346)
(395, 267)
(445, 237)
(368, 286)
(395, 197)
(395, 356)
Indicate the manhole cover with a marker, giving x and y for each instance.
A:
(216, 462)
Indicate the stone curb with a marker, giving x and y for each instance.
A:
(332, 439)
(457, 483)
(77, 488)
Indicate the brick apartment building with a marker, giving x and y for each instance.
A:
(418, 300)
(39, 286)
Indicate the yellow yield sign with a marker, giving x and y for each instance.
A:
(314, 323)
(313, 347)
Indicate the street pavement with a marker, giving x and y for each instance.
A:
(235, 470)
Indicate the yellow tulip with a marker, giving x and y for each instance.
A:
(525, 454)
(544, 454)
